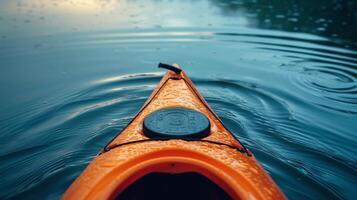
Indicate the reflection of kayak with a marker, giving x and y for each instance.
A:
(175, 148)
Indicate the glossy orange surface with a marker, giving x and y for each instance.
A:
(131, 155)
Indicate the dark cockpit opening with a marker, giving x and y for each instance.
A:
(164, 186)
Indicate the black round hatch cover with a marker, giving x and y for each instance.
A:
(176, 123)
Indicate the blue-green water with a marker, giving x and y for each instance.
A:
(281, 75)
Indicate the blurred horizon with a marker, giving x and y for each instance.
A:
(335, 20)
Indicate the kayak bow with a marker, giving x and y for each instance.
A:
(175, 146)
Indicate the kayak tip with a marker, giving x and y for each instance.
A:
(175, 67)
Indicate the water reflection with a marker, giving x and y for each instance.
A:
(38, 17)
(334, 19)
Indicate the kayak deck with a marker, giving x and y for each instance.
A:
(130, 156)
(176, 91)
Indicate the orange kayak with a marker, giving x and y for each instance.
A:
(176, 147)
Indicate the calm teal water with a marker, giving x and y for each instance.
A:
(282, 75)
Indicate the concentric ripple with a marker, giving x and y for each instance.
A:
(89, 118)
(280, 138)
(289, 97)
(331, 85)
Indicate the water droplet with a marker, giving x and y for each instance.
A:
(280, 16)
(293, 19)
(223, 4)
(321, 20)
(251, 15)
(321, 29)
(27, 21)
(237, 2)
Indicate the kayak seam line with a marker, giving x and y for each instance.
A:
(107, 149)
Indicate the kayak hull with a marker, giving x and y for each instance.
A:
(131, 155)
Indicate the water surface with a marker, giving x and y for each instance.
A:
(281, 75)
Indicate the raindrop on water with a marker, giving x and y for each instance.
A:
(293, 19)
(267, 20)
(321, 29)
(280, 16)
